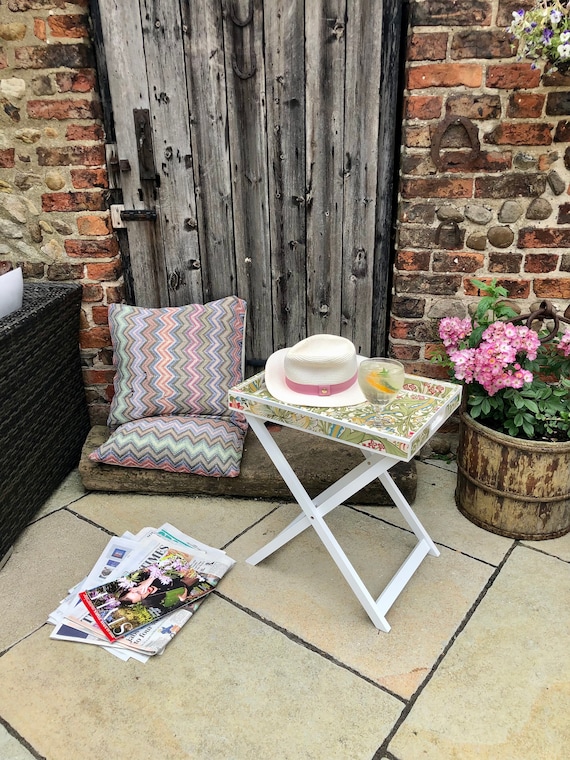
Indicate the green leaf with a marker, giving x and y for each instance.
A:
(480, 285)
(485, 304)
(475, 337)
(503, 311)
(491, 288)
(531, 405)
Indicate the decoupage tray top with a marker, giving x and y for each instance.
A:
(398, 430)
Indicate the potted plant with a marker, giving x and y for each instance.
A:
(544, 33)
(514, 446)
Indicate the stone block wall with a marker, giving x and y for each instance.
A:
(485, 173)
(54, 221)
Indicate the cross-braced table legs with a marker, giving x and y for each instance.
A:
(374, 466)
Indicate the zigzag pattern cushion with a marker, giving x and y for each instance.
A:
(197, 445)
(175, 360)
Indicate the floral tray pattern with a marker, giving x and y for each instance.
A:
(398, 430)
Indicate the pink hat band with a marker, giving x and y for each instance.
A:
(321, 390)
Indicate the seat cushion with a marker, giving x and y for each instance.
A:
(198, 445)
(175, 360)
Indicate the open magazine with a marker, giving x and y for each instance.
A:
(160, 586)
(146, 560)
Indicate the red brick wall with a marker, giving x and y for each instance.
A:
(502, 212)
(54, 221)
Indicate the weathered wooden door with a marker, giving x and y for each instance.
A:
(253, 141)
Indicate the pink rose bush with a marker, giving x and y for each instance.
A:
(516, 383)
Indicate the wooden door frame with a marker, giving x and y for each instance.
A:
(114, 194)
(395, 16)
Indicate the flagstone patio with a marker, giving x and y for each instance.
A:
(282, 662)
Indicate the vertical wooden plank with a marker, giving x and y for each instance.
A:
(285, 74)
(363, 56)
(245, 83)
(163, 38)
(325, 66)
(124, 52)
(388, 153)
(102, 70)
(206, 80)
(114, 193)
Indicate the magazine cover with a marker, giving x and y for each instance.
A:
(166, 582)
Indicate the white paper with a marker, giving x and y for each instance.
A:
(124, 554)
(11, 292)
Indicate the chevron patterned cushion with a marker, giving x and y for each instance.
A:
(175, 360)
(198, 445)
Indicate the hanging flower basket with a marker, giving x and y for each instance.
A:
(543, 33)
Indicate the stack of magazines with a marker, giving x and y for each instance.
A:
(141, 591)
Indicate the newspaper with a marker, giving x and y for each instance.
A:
(122, 555)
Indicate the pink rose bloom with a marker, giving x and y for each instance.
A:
(452, 330)
(564, 344)
(464, 363)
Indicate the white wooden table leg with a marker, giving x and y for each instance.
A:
(406, 511)
(374, 466)
(318, 523)
(401, 578)
(324, 503)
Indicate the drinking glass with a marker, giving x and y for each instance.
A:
(380, 379)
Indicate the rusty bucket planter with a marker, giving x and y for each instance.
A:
(510, 486)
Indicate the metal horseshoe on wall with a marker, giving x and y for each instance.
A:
(244, 74)
(238, 21)
(239, 70)
(472, 134)
(452, 226)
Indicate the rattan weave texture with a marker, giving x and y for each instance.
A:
(43, 411)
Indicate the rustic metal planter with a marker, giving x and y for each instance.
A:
(513, 487)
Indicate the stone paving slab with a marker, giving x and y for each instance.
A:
(557, 547)
(50, 557)
(69, 491)
(500, 692)
(11, 748)
(212, 520)
(228, 688)
(300, 588)
(503, 690)
(436, 510)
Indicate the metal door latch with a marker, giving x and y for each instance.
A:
(120, 215)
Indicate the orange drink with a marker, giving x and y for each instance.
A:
(380, 379)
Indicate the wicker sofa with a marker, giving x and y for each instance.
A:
(43, 410)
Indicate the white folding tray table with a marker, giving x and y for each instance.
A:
(393, 434)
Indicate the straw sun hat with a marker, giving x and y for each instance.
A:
(321, 370)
